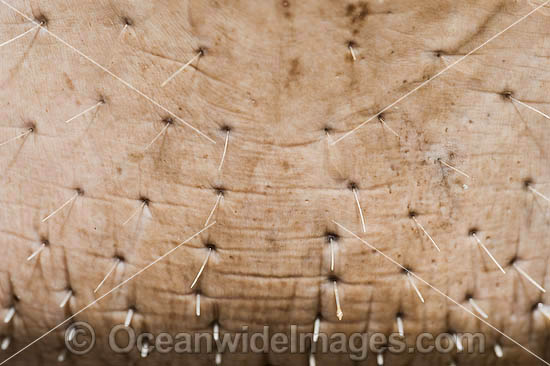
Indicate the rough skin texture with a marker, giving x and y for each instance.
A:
(281, 76)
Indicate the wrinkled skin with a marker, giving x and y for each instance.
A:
(281, 76)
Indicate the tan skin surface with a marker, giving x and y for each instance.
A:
(279, 75)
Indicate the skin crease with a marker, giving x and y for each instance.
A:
(281, 76)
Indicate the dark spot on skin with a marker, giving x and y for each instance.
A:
(168, 120)
(406, 269)
(68, 81)
(80, 191)
(473, 231)
(327, 129)
(469, 296)
(527, 182)
(211, 246)
(225, 128)
(535, 306)
(42, 19)
(294, 68)
(145, 200)
(400, 315)
(381, 118)
(127, 21)
(120, 258)
(438, 53)
(357, 12)
(330, 235)
(31, 126)
(506, 95)
(102, 99)
(412, 213)
(220, 190)
(352, 186)
(513, 260)
(45, 241)
(202, 51)
(333, 278)
(286, 4)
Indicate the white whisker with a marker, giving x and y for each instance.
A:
(135, 212)
(19, 36)
(488, 253)
(9, 315)
(158, 136)
(380, 359)
(425, 232)
(181, 69)
(360, 210)
(21, 135)
(72, 333)
(498, 351)
(458, 343)
(352, 52)
(60, 208)
(218, 359)
(117, 261)
(145, 349)
(316, 328)
(329, 139)
(400, 327)
(331, 254)
(339, 312)
(477, 308)
(538, 193)
(62, 356)
(529, 107)
(409, 277)
(224, 150)
(202, 268)
(544, 309)
(216, 332)
(129, 316)
(122, 31)
(198, 304)
(383, 121)
(35, 253)
(312, 360)
(220, 196)
(66, 299)
(529, 278)
(453, 168)
(86, 111)
(5, 343)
